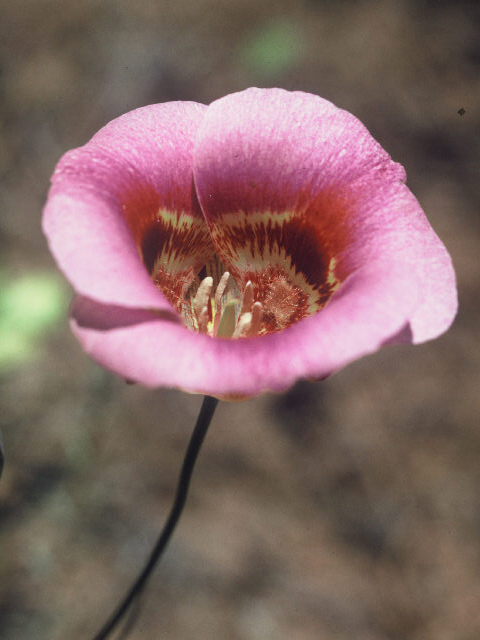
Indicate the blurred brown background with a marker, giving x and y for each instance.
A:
(346, 509)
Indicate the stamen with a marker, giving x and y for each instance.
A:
(247, 297)
(222, 285)
(249, 322)
(200, 303)
(202, 320)
(244, 323)
(226, 327)
(257, 314)
(225, 313)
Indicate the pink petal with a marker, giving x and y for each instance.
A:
(102, 214)
(290, 174)
(372, 306)
(282, 177)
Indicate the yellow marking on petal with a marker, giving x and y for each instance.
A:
(332, 280)
(280, 271)
(256, 241)
(188, 237)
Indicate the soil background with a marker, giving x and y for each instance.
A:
(347, 509)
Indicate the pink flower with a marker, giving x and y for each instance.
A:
(234, 248)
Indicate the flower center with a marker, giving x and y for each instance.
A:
(217, 305)
(221, 312)
(267, 288)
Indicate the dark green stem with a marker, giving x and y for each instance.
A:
(203, 421)
(2, 457)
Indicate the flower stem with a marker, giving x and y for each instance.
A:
(2, 457)
(203, 421)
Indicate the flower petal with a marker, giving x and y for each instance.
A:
(371, 307)
(126, 201)
(289, 180)
(298, 198)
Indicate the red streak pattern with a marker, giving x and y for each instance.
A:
(174, 247)
(247, 248)
(276, 253)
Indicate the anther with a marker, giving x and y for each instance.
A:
(222, 285)
(257, 313)
(200, 303)
(247, 298)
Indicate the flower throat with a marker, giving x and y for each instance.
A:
(215, 304)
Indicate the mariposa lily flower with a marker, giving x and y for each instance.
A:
(234, 248)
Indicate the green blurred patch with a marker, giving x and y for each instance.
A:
(275, 48)
(29, 306)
